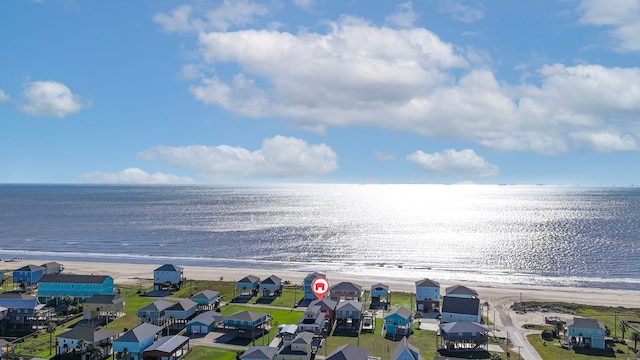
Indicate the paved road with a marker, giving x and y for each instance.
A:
(517, 337)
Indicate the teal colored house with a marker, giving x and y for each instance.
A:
(399, 322)
(28, 275)
(586, 332)
(133, 343)
(204, 323)
(53, 287)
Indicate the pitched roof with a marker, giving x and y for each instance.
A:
(349, 352)
(157, 305)
(74, 278)
(259, 352)
(456, 305)
(401, 311)
(325, 304)
(304, 337)
(349, 305)
(346, 286)
(169, 267)
(168, 344)
(427, 283)
(183, 305)
(380, 287)
(460, 290)
(460, 327)
(312, 276)
(105, 299)
(206, 295)
(30, 267)
(272, 280)
(207, 318)
(585, 323)
(246, 316)
(139, 333)
(87, 333)
(405, 347)
(249, 279)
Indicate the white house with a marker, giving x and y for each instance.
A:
(169, 277)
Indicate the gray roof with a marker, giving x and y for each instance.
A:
(207, 318)
(168, 344)
(380, 287)
(157, 305)
(585, 323)
(139, 333)
(105, 299)
(259, 352)
(456, 305)
(304, 337)
(325, 304)
(427, 283)
(169, 267)
(349, 305)
(246, 316)
(73, 279)
(272, 280)
(460, 290)
(87, 333)
(313, 275)
(249, 279)
(459, 327)
(346, 286)
(403, 346)
(206, 295)
(30, 268)
(183, 305)
(401, 311)
(349, 352)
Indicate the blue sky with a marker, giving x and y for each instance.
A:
(230, 92)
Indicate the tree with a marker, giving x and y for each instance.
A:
(635, 336)
(51, 328)
(93, 352)
(624, 326)
(558, 328)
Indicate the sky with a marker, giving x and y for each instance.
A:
(318, 91)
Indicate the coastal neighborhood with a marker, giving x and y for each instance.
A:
(167, 316)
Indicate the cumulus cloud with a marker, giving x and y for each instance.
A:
(461, 12)
(464, 163)
(229, 13)
(279, 157)
(621, 17)
(50, 98)
(134, 176)
(404, 16)
(3, 96)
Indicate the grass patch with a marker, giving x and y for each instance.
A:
(552, 351)
(207, 353)
(133, 302)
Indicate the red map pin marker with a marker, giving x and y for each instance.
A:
(320, 286)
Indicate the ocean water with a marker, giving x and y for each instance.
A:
(538, 235)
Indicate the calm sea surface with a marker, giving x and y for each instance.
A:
(498, 234)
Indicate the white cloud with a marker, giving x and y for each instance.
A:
(134, 176)
(464, 163)
(461, 12)
(621, 17)
(605, 141)
(279, 157)
(304, 4)
(404, 16)
(3, 96)
(229, 13)
(383, 156)
(50, 98)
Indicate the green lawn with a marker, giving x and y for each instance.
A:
(208, 353)
(133, 302)
(551, 350)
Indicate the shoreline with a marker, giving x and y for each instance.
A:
(494, 294)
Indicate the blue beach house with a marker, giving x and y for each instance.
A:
(248, 284)
(168, 277)
(427, 295)
(53, 287)
(204, 323)
(306, 286)
(406, 351)
(586, 332)
(28, 275)
(398, 322)
(155, 312)
(132, 343)
(206, 299)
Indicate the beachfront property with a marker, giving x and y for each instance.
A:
(298, 348)
(313, 320)
(248, 285)
(398, 323)
(28, 276)
(165, 348)
(131, 344)
(380, 295)
(23, 310)
(463, 335)
(346, 291)
(154, 313)
(54, 287)
(168, 277)
(80, 337)
(206, 299)
(204, 323)
(308, 294)
(427, 295)
(584, 332)
(52, 268)
(350, 352)
(405, 351)
(271, 286)
(247, 323)
(105, 307)
(461, 291)
(259, 353)
(460, 309)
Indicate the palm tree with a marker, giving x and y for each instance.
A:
(93, 352)
(635, 336)
(51, 328)
(558, 327)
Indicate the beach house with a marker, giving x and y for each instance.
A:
(132, 343)
(154, 313)
(105, 307)
(398, 323)
(180, 313)
(346, 291)
(313, 320)
(461, 291)
(54, 287)
(584, 332)
(248, 285)
(271, 286)
(427, 295)
(80, 337)
(168, 277)
(248, 323)
(259, 353)
(349, 352)
(206, 299)
(406, 351)
(299, 348)
(463, 335)
(380, 295)
(167, 348)
(52, 267)
(348, 316)
(28, 275)
(23, 310)
(308, 294)
(204, 323)
(328, 307)
(461, 309)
